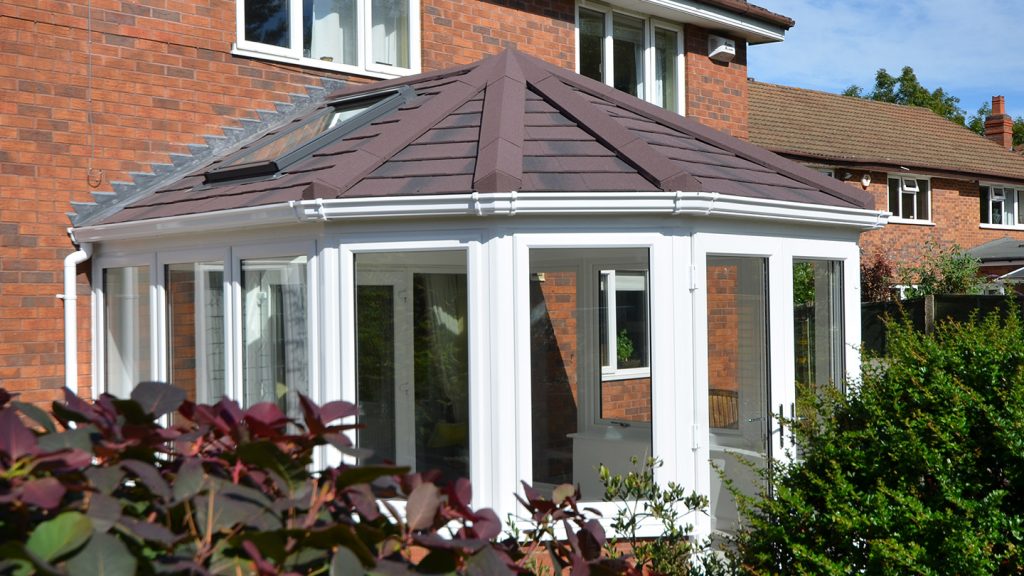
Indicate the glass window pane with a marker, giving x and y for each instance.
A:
(126, 319)
(922, 200)
(818, 323)
(908, 202)
(628, 54)
(267, 22)
(390, 32)
(997, 205)
(195, 329)
(666, 74)
(412, 360)
(894, 197)
(738, 414)
(330, 30)
(592, 44)
(274, 334)
(584, 411)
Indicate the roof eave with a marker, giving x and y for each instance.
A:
(885, 165)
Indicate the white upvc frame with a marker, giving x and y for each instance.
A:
(1012, 196)
(650, 24)
(99, 331)
(236, 385)
(669, 438)
(612, 371)
(364, 65)
(350, 245)
(166, 258)
(898, 216)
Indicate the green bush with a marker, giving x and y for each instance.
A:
(920, 470)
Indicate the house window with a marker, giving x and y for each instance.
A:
(910, 198)
(375, 36)
(274, 333)
(412, 359)
(590, 367)
(638, 55)
(1001, 206)
(126, 319)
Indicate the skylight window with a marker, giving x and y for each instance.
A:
(274, 152)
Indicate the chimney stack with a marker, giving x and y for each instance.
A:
(999, 125)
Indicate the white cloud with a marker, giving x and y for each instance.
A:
(968, 48)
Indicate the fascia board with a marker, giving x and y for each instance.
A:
(505, 204)
(753, 30)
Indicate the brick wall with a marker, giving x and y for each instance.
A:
(462, 32)
(716, 93)
(955, 212)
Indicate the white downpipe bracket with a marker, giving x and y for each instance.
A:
(70, 298)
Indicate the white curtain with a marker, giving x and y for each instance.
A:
(333, 34)
(391, 32)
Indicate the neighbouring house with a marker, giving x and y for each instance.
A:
(943, 183)
(520, 266)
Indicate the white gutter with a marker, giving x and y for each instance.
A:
(70, 298)
(491, 205)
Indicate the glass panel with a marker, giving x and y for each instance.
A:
(275, 146)
(195, 329)
(738, 416)
(907, 204)
(267, 22)
(922, 200)
(1009, 204)
(126, 319)
(412, 368)
(390, 32)
(818, 324)
(666, 74)
(592, 44)
(1018, 201)
(997, 205)
(329, 30)
(274, 334)
(894, 197)
(628, 52)
(582, 415)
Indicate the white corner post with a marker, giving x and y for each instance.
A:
(70, 298)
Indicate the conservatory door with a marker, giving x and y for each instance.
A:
(412, 359)
(384, 348)
(738, 395)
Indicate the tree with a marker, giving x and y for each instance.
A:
(942, 271)
(920, 470)
(906, 89)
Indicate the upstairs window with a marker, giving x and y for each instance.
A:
(636, 54)
(376, 36)
(910, 198)
(1001, 206)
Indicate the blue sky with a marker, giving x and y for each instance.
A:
(972, 49)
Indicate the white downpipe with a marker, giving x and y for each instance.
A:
(70, 298)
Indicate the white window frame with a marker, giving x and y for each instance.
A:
(664, 290)
(650, 24)
(364, 65)
(1012, 195)
(100, 264)
(903, 179)
(164, 259)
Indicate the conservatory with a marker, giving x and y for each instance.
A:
(516, 272)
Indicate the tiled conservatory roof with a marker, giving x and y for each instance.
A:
(507, 123)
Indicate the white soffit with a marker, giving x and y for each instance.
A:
(711, 17)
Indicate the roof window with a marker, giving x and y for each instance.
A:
(275, 152)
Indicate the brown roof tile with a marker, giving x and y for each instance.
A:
(512, 122)
(851, 131)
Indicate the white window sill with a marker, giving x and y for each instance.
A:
(1001, 226)
(895, 220)
(626, 374)
(321, 64)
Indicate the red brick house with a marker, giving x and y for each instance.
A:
(530, 254)
(943, 183)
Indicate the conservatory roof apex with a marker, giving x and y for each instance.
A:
(510, 122)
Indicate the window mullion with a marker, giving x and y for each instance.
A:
(296, 28)
(609, 49)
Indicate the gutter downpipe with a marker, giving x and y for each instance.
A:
(70, 298)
